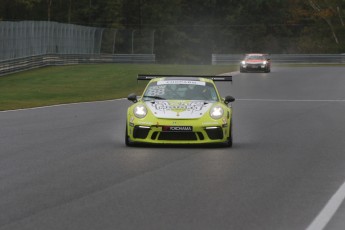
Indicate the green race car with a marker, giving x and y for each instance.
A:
(180, 109)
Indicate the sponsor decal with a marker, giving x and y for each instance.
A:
(179, 106)
(210, 123)
(180, 82)
(178, 109)
(177, 128)
(145, 123)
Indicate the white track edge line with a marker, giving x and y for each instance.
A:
(66, 104)
(329, 210)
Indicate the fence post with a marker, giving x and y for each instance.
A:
(114, 43)
(153, 40)
(133, 41)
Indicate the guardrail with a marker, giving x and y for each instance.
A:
(26, 63)
(223, 59)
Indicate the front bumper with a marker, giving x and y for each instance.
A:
(217, 132)
(254, 67)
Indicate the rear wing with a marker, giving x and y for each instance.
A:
(212, 77)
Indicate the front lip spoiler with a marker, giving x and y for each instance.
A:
(177, 145)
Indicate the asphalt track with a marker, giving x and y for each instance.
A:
(67, 167)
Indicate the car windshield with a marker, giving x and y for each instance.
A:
(255, 58)
(180, 90)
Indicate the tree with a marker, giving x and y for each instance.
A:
(18, 9)
(49, 5)
(321, 13)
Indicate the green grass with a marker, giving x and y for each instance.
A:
(80, 83)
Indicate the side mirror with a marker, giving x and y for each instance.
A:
(229, 99)
(132, 97)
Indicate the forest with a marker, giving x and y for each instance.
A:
(189, 31)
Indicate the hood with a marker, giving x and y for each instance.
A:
(178, 109)
(255, 61)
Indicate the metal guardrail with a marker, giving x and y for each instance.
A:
(21, 64)
(223, 59)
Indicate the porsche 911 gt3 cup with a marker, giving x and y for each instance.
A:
(180, 109)
(255, 62)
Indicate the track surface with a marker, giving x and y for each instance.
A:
(66, 167)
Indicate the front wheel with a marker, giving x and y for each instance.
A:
(229, 141)
(127, 139)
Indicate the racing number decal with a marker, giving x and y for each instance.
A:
(158, 90)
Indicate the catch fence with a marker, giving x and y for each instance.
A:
(31, 38)
(32, 44)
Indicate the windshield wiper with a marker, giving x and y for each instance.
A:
(155, 97)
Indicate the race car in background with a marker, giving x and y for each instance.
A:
(255, 62)
(180, 109)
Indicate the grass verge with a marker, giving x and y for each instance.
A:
(81, 83)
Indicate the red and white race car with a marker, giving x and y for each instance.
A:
(256, 62)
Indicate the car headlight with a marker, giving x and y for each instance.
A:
(265, 62)
(216, 112)
(243, 62)
(140, 111)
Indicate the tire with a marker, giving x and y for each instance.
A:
(127, 139)
(229, 141)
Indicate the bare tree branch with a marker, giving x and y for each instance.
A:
(317, 8)
(340, 18)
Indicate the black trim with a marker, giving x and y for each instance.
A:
(140, 132)
(212, 77)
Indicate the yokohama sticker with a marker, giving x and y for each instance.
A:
(177, 128)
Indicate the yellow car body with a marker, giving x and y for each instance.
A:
(179, 110)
